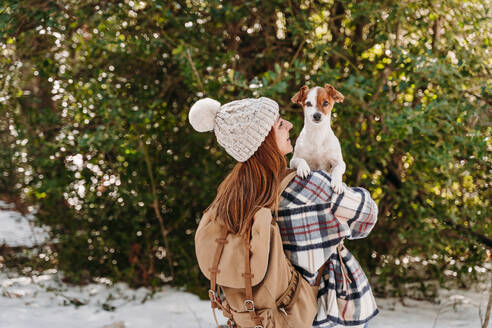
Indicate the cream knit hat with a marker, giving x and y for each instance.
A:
(240, 126)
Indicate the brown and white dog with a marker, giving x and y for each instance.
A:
(317, 147)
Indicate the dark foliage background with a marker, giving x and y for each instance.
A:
(94, 97)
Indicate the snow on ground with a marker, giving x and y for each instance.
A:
(19, 230)
(458, 308)
(44, 301)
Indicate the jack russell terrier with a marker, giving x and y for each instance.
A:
(317, 147)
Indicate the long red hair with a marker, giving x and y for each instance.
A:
(249, 186)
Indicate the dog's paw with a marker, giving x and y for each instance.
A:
(303, 170)
(337, 185)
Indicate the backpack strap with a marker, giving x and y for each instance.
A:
(248, 289)
(286, 178)
(212, 292)
(320, 274)
(342, 266)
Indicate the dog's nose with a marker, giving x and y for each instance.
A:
(317, 116)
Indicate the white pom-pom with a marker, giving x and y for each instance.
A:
(202, 114)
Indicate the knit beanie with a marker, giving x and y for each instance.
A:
(240, 126)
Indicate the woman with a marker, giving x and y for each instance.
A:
(239, 244)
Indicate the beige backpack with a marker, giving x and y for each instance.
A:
(253, 282)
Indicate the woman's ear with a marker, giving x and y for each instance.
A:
(300, 96)
(334, 93)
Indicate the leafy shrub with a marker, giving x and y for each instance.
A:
(95, 99)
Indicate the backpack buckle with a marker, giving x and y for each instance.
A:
(212, 295)
(250, 305)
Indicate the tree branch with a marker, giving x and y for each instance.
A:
(155, 205)
(195, 72)
(487, 312)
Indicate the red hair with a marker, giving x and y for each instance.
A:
(250, 186)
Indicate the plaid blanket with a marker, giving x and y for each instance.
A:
(313, 222)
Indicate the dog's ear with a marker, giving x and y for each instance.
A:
(334, 93)
(299, 97)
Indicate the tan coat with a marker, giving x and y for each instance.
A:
(281, 296)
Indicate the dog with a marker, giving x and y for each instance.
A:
(317, 147)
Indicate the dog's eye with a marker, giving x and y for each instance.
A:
(308, 104)
(325, 103)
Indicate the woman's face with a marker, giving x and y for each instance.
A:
(282, 128)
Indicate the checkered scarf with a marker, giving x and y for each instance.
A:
(313, 222)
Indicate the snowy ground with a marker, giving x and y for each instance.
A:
(26, 303)
(19, 230)
(45, 301)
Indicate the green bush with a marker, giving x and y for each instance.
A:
(95, 98)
